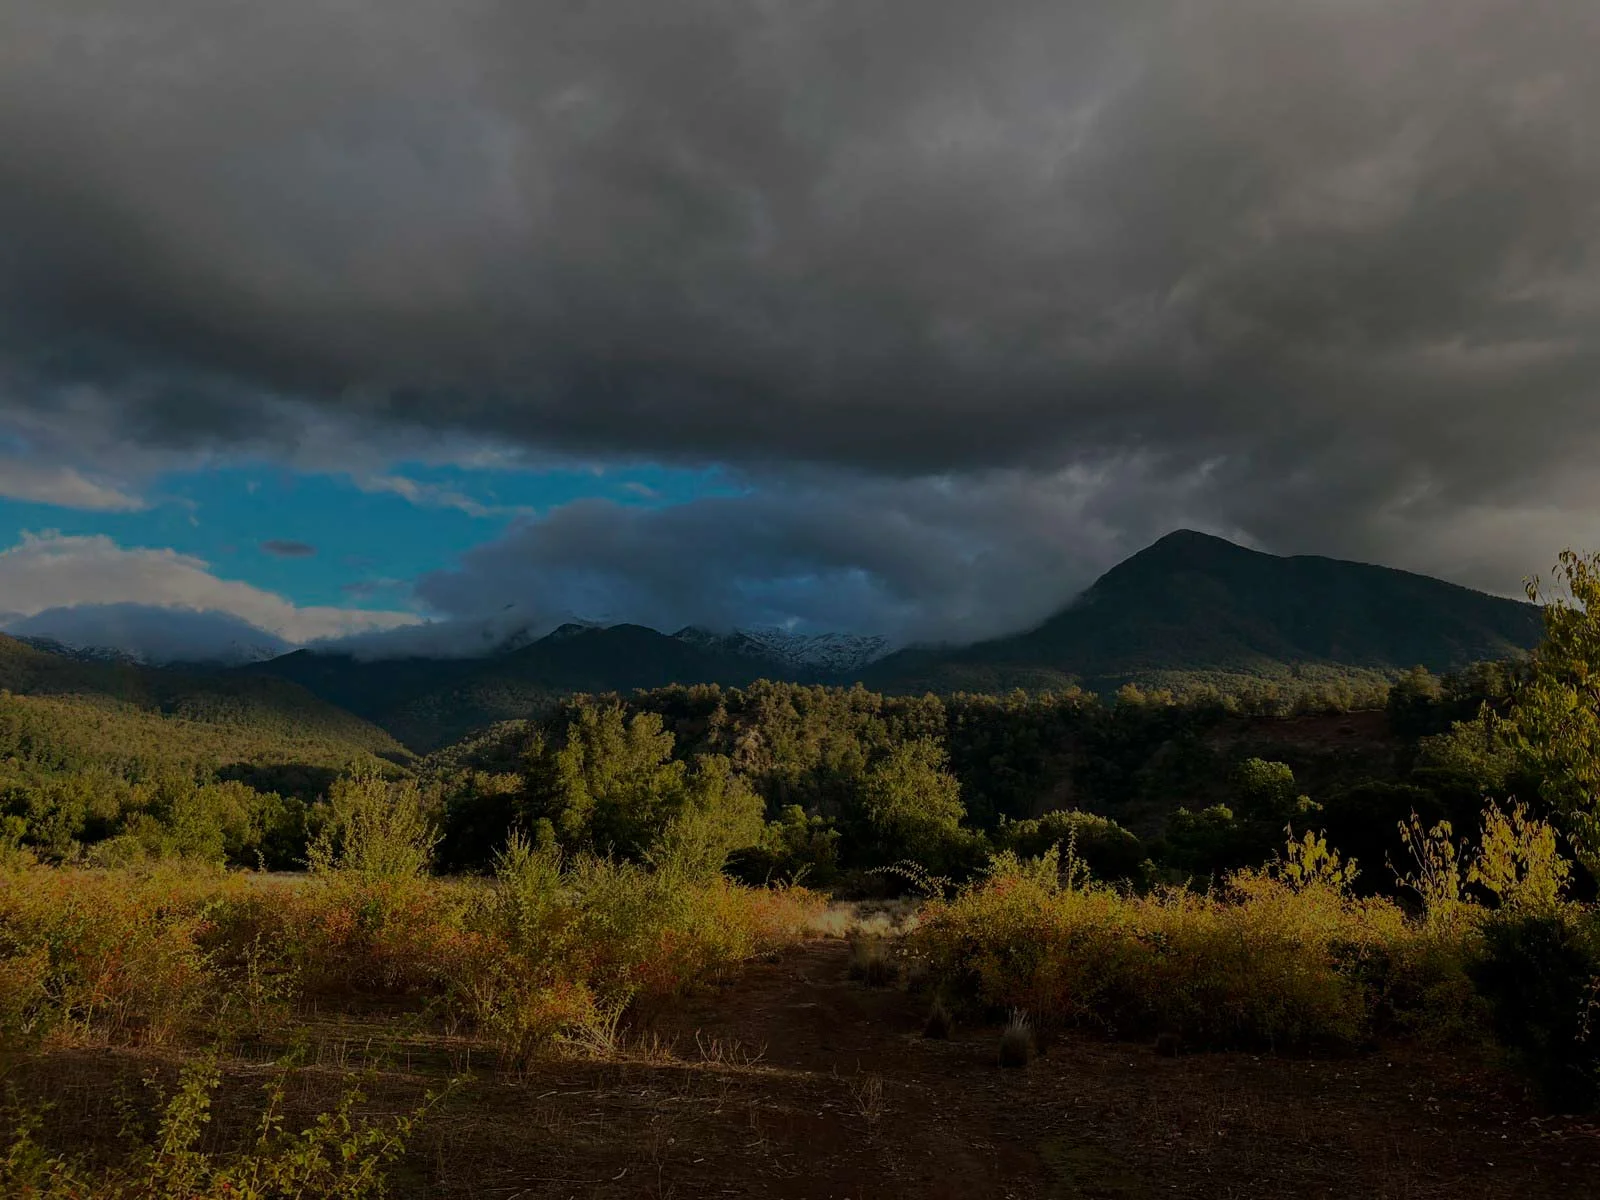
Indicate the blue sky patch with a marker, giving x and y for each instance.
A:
(372, 535)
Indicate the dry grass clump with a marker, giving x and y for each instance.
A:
(1017, 1042)
(941, 1022)
(868, 918)
(867, 1093)
(871, 962)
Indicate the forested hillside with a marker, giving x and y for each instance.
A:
(262, 717)
(1277, 707)
(788, 779)
(609, 740)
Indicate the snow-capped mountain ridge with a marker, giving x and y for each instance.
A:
(101, 654)
(829, 653)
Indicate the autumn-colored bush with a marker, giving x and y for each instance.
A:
(151, 956)
(106, 956)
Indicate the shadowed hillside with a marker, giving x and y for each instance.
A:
(428, 703)
(1198, 609)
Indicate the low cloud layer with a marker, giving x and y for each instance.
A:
(1322, 275)
(152, 633)
(89, 591)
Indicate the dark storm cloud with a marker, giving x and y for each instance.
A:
(918, 560)
(1331, 262)
(286, 548)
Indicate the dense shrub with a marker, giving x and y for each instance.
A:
(1264, 960)
(106, 956)
(1211, 841)
(1109, 851)
(1539, 972)
(90, 815)
(1225, 837)
(794, 846)
(1286, 955)
(1290, 955)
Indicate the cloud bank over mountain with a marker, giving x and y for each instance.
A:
(89, 591)
(969, 301)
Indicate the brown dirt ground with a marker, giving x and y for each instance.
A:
(793, 1082)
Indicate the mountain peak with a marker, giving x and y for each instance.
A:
(1193, 601)
(567, 630)
(1191, 544)
(1181, 552)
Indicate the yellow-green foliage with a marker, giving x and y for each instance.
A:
(1280, 956)
(1252, 965)
(1438, 875)
(374, 830)
(338, 1155)
(76, 732)
(1310, 861)
(106, 956)
(1518, 862)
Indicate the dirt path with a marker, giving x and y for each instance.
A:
(795, 1082)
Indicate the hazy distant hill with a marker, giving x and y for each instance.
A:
(1200, 606)
(428, 703)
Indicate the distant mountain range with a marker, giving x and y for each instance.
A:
(148, 634)
(1190, 608)
(428, 702)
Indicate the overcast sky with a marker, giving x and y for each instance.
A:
(902, 316)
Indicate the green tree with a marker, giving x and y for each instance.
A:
(1209, 841)
(374, 829)
(911, 803)
(1414, 703)
(795, 845)
(1221, 837)
(612, 783)
(718, 815)
(1554, 717)
(1106, 848)
(1266, 792)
